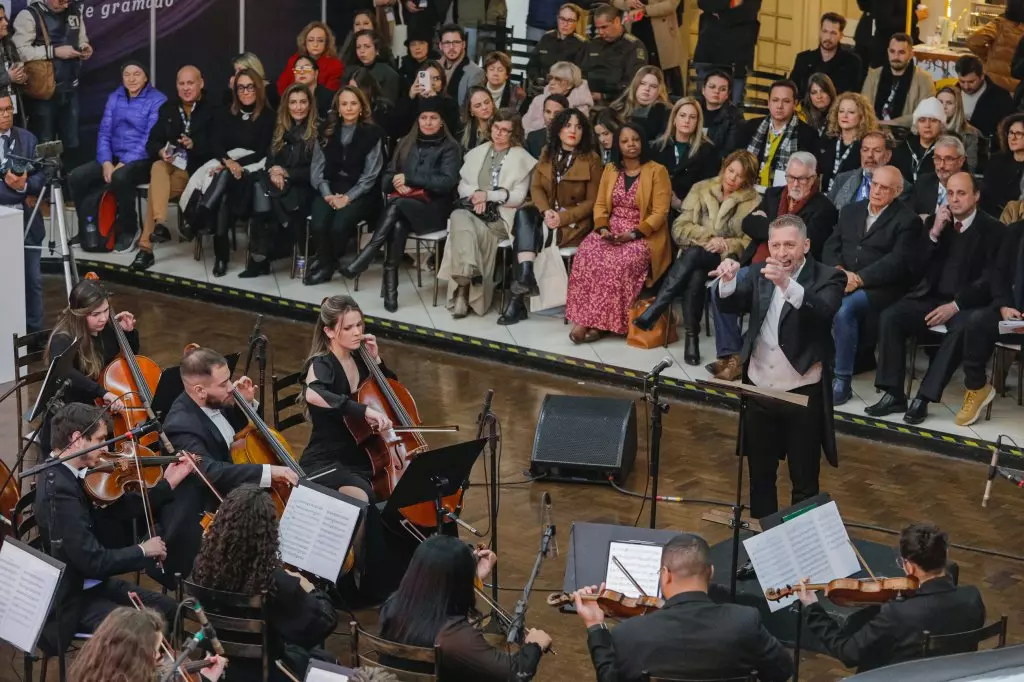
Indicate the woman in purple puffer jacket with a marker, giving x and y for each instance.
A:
(121, 159)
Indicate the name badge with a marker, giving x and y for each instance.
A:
(779, 178)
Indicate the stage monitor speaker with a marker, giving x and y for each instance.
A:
(584, 439)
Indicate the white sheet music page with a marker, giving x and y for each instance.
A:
(316, 531)
(814, 544)
(26, 591)
(642, 560)
(320, 675)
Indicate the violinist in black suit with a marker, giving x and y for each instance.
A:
(691, 635)
(953, 264)
(895, 632)
(204, 420)
(791, 300)
(88, 590)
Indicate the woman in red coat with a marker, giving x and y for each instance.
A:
(317, 42)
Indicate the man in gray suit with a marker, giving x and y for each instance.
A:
(855, 185)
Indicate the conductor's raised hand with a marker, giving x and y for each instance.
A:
(775, 273)
(246, 388)
(727, 270)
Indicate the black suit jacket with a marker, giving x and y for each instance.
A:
(925, 195)
(981, 242)
(881, 256)
(691, 636)
(993, 106)
(188, 428)
(845, 69)
(805, 334)
(64, 512)
(818, 214)
(170, 126)
(895, 633)
(1007, 266)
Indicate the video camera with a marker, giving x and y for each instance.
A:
(47, 158)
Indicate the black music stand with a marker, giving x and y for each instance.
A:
(171, 386)
(434, 475)
(60, 368)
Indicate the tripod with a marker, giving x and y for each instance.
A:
(54, 179)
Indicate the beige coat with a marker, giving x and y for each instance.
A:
(921, 88)
(666, 30)
(576, 195)
(995, 43)
(705, 214)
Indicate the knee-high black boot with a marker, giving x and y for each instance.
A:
(528, 234)
(671, 286)
(380, 236)
(395, 251)
(221, 246)
(325, 259)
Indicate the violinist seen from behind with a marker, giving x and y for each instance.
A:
(691, 635)
(895, 632)
(126, 648)
(204, 420)
(432, 605)
(88, 590)
(241, 553)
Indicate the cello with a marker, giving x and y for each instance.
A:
(9, 497)
(391, 450)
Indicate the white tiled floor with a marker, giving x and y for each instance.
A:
(544, 332)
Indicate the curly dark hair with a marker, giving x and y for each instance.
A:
(241, 549)
(561, 120)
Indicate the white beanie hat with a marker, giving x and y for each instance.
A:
(930, 108)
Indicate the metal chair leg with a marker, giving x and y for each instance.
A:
(437, 267)
(419, 269)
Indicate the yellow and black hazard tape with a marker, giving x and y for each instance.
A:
(875, 429)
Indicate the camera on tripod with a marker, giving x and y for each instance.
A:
(47, 158)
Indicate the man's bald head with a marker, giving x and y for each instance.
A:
(190, 84)
(886, 187)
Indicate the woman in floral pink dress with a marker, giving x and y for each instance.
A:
(629, 245)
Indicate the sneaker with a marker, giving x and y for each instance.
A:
(161, 234)
(126, 240)
(841, 391)
(143, 261)
(974, 403)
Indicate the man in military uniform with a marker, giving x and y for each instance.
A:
(561, 44)
(613, 58)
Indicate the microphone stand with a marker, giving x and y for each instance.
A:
(261, 363)
(515, 629)
(489, 421)
(658, 408)
(55, 402)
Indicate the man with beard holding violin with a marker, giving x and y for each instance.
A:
(690, 635)
(895, 632)
(204, 420)
(88, 590)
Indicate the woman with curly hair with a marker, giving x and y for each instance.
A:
(849, 120)
(126, 648)
(241, 553)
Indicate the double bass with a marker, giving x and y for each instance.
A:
(391, 450)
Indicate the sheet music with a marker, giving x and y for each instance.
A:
(814, 544)
(26, 592)
(642, 560)
(321, 675)
(316, 530)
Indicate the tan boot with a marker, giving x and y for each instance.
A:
(732, 370)
(974, 403)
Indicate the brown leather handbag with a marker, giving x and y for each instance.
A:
(40, 83)
(662, 333)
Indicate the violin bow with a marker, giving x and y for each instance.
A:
(629, 577)
(863, 563)
(147, 507)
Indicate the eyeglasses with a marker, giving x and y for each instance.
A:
(1015, 134)
(949, 159)
(501, 129)
(567, 20)
(302, 69)
(451, 43)
(246, 88)
(800, 178)
(5, 111)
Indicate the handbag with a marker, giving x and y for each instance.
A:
(552, 277)
(662, 333)
(491, 213)
(40, 83)
(418, 194)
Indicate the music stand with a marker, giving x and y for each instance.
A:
(434, 475)
(60, 367)
(170, 386)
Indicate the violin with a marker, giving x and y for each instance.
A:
(612, 603)
(854, 591)
(390, 451)
(187, 671)
(119, 474)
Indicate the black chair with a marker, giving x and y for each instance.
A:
(964, 642)
(368, 649)
(240, 621)
(283, 401)
(752, 677)
(24, 358)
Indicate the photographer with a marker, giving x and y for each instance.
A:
(22, 183)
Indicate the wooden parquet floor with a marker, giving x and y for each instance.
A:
(876, 483)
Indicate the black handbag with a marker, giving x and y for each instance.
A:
(491, 213)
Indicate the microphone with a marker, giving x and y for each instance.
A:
(662, 365)
(550, 545)
(186, 650)
(993, 469)
(487, 406)
(455, 517)
(256, 330)
(204, 621)
(146, 428)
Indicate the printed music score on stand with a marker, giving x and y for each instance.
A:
(642, 560)
(317, 528)
(26, 592)
(319, 671)
(814, 544)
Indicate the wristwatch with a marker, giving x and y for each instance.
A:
(595, 628)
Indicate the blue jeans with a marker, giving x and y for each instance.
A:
(56, 118)
(728, 339)
(33, 290)
(845, 329)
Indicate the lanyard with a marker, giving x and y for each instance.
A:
(886, 114)
(496, 162)
(919, 161)
(560, 170)
(838, 162)
(186, 121)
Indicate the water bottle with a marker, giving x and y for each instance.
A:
(300, 267)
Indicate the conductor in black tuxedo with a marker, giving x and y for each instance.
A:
(791, 300)
(895, 631)
(88, 590)
(953, 264)
(691, 635)
(204, 420)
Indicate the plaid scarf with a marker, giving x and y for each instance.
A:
(787, 146)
